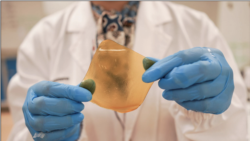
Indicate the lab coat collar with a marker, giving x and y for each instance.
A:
(81, 17)
(156, 13)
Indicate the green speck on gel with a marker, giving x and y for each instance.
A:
(88, 84)
(147, 63)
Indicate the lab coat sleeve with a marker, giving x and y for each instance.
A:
(32, 67)
(228, 126)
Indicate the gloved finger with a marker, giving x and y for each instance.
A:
(187, 75)
(210, 105)
(198, 106)
(47, 136)
(197, 92)
(70, 134)
(59, 90)
(214, 105)
(52, 123)
(164, 66)
(54, 106)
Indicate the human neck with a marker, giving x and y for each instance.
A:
(111, 5)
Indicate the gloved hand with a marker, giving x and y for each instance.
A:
(198, 79)
(52, 110)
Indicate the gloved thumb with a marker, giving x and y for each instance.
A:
(148, 62)
(88, 84)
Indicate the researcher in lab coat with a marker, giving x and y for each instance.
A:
(200, 94)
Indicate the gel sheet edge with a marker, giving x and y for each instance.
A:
(117, 72)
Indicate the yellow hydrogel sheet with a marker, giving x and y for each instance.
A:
(117, 72)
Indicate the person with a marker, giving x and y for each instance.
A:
(200, 94)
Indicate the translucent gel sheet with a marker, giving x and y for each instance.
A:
(117, 72)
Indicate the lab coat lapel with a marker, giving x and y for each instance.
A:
(82, 31)
(151, 41)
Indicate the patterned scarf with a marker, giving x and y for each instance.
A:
(116, 26)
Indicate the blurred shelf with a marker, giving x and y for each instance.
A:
(4, 106)
(8, 52)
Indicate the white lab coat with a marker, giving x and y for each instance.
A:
(59, 49)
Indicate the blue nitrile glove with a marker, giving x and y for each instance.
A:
(52, 110)
(198, 79)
